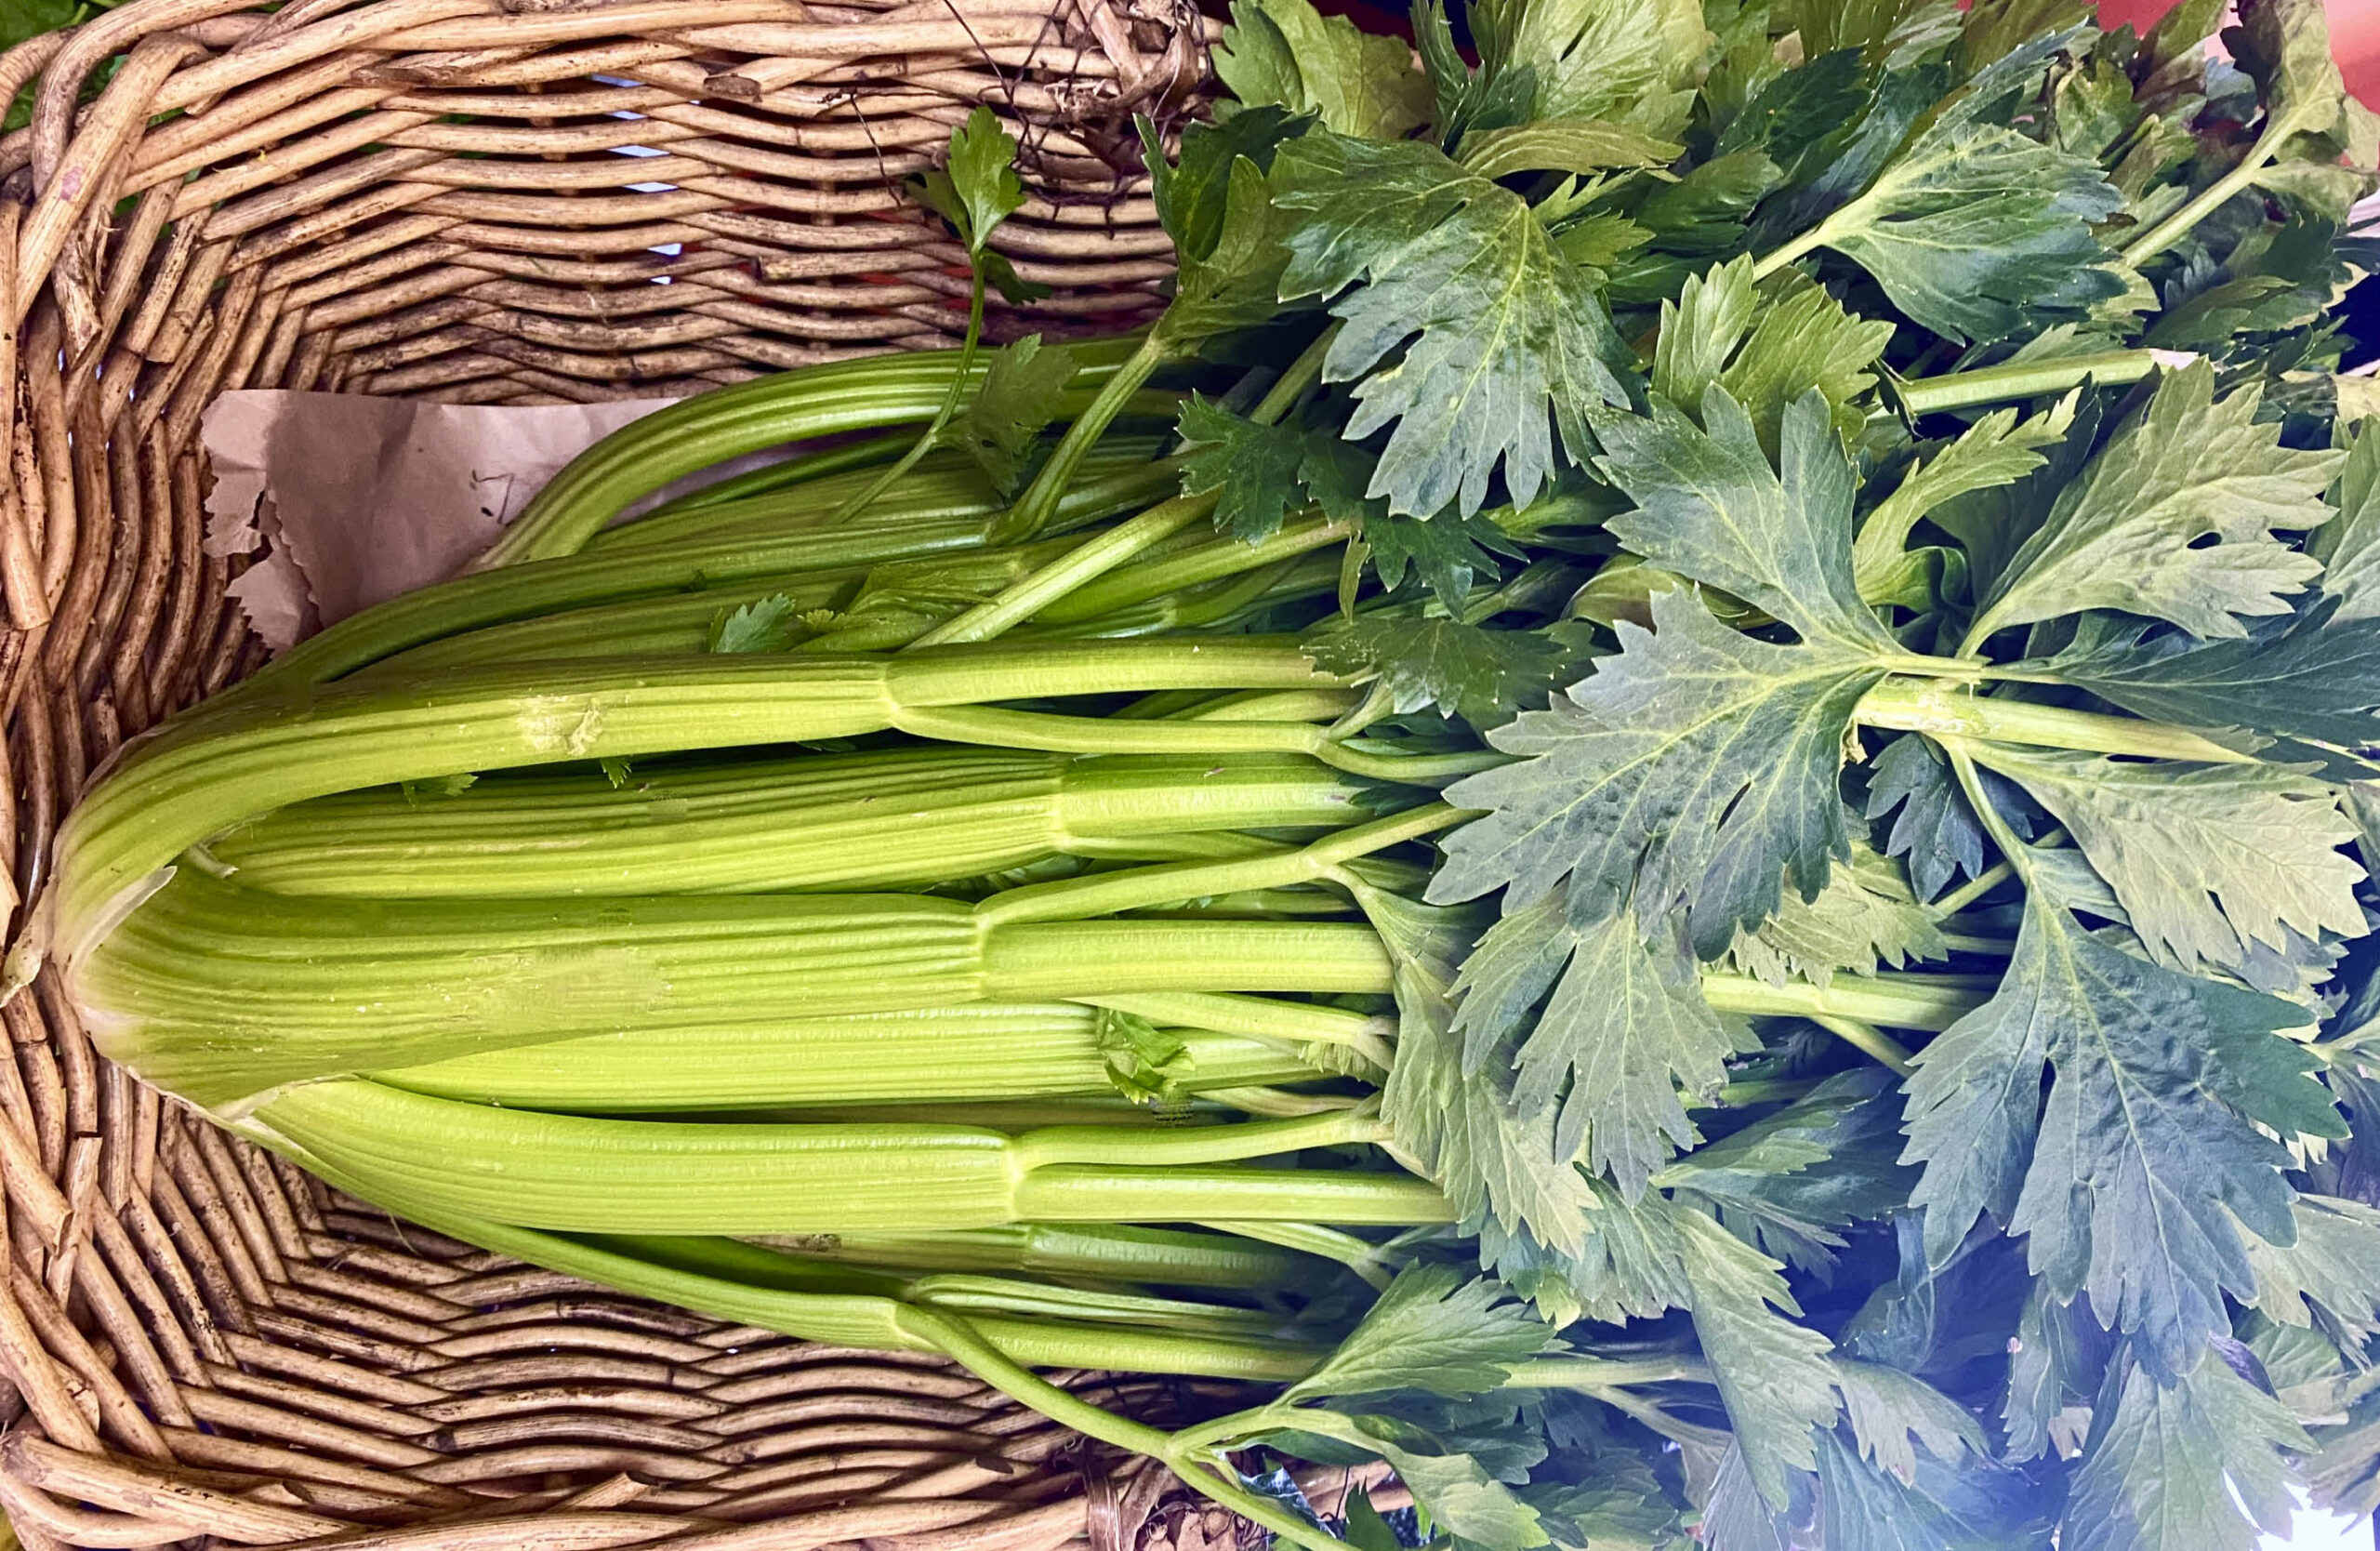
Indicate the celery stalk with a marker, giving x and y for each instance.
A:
(881, 819)
(698, 433)
(223, 994)
(571, 1173)
(1146, 1256)
(970, 1050)
(243, 756)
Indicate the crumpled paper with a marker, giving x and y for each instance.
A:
(357, 499)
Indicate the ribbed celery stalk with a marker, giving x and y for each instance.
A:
(575, 1174)
(881, 819)
(242, 756)
(711, 428)
(1143, 1256)
(1118, 475)
(843, 1307)
(775, 550)
(970, 1050)
(222, 994)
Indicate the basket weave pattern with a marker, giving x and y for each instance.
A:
(490, 201)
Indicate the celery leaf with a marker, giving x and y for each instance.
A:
(1935, 835)
(1504, 337)
(1631, 62)
(1251, 469)
(769, 624)
(2173, 1465)
(1696, 768)
(2349, 545)
(2131, 533)
(1286, 53)
(2132, 1181)
(2335, 1263)
(2207, 860)
(1624, 1028)
(1773, 1375)
(1447, 553)
(1432, 1330)
(1866, 916)
(1479, 674)
(977, 187)
(1976, 231)
(1018, 400)
(2312, 678)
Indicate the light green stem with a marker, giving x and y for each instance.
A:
(1868, 1039)
(2174, 228)
(1022, 599)
(930, 437)
(1944, 710)
(1140, 888)
(1366, 1259)
(1572, 1372)
(1032, 513)
(1934, 395)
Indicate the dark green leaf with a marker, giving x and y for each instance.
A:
(2163, 1463)
(1286, 53)
(1366, 1530)
(1864, 918)
(2129, 1180)
(2054, 1369)
(1019, 398)
(1624, 1028)
(1791, 1180)
(1997, 450)
(1978, 232)
(2132, 534)
(1251, 469)
(977, 187)
(1192, 193)
(1695, 769)
(2335, 1263)
(1449, 553)
(1967, 1506)
(2348, 545)
(1773, 1375)
(1465, 1502)
(1499, 1173)
(2311, 676)
(1430, 1331)
(2207, 860)
(1711, 510)
(1935, 834)
(1630, 62)
(1479, 674)
(1504, 339)
(1563, 145)
(769, 624)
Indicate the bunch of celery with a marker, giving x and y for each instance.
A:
(1013, 880)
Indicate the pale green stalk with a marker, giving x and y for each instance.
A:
(574, 1173)
(973, 1051)
(882, 819)
(725, 423)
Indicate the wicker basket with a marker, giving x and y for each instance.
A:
(430, 197)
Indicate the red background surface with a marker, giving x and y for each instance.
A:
(2355, 35)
